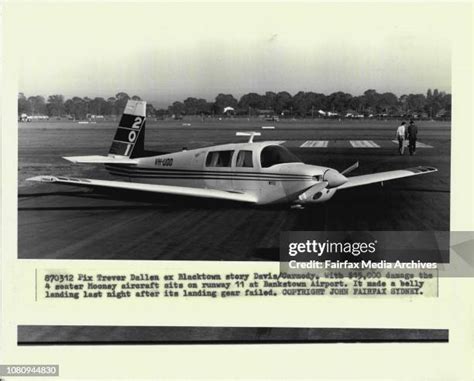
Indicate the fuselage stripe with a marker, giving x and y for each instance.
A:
(170, 173)
(129, 169)
(202, 177)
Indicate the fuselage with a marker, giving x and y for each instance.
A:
(264, 169)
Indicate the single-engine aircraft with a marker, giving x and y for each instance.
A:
(252, 172)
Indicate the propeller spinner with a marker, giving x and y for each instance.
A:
(331, 180)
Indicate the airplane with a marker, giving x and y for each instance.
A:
(259, 173)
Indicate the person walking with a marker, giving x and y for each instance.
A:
(412, 135)
(401, 134)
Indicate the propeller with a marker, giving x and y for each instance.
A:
(319, 187)
(331, 179)
(350, 169)
(312, 191)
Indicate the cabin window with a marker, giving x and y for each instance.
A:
(219, 159)
(244, 159)
(272, 155)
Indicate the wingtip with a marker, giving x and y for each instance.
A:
(43, 179)
(427, 169)
(422, 169)
(72, 159)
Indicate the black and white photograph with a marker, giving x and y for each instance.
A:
(206, 142)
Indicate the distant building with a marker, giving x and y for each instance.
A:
(265, 113)
(229, 111)
(443, 114)
(354, 115)
(94, 117)
(32, 118)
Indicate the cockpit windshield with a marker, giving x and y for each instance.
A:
(272, 155)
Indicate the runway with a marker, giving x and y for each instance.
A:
(62, 222)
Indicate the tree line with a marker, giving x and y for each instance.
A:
(303, 104)
(75, 107)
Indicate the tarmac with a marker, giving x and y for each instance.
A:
(60, 222)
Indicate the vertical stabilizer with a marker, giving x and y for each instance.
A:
(129, 140)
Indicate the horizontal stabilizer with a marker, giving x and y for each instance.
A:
(97, 159)
(154, 188)
(251, 135)
(379, 177)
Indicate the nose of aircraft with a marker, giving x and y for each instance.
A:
(334, 178)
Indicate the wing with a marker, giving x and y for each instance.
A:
(97, 159)
(154, 188)
(379, 177)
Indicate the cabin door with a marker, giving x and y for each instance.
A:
(218, 170)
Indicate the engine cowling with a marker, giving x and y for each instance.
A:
(315, 194)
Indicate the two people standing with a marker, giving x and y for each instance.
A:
(409, 133)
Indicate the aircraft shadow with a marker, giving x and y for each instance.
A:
(146, 201)
(45, 194)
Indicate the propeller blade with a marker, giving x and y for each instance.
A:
(350, 169)
(319, 187)
(309, 193)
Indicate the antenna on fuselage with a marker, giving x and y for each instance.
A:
(251, 134)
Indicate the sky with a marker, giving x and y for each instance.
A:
(166, 52)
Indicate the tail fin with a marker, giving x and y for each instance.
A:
(129, 140)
